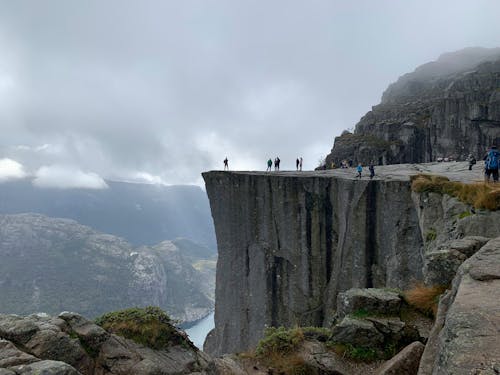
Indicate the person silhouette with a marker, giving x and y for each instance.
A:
(226, 164)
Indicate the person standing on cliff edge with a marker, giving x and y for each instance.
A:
(359, 169)
(297, 162)
(371, 168)
(300, 163)
(269, 165)
(226, 164)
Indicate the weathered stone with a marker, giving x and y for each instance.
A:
(357, 332)
(227, 365)
(468, 245)
(440, 266)
(4, 371)
(405, 362)
(16, 329)
(86, 330)
(45, 368)
(468, 341)
(12, 356)
(377, 301)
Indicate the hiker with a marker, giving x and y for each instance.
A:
(491, 163)
(269, 165)
(297, 162)
(371, 168)
(472, 161)
(359, 169)
(300, 163)
(226, 164)
(278, 161)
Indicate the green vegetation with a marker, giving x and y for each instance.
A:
(149, 326)
(360, 314)
(424, 298)
(464, 214)
(356, 353)
(430, 235)
(279, 341)
(480, 195)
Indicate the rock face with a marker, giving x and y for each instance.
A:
(447, 108)
(70, 344)
(287, 245)
(53, 265)
(290, 242)
(467, 342)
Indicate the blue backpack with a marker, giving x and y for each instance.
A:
(492, 160)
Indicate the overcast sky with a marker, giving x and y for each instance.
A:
(160, 91)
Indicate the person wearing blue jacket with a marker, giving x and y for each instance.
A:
(491, 164)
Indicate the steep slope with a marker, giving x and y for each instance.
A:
(52, 265)
(289, 242)
(446, 108)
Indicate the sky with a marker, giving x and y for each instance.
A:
(160, 91)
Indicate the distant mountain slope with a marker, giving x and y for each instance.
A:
(141, 213)
(445, 108)
(52, 265)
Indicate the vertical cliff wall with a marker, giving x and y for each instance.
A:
(289, 242)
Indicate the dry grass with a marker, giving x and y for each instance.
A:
(479, 194)
(424, 298)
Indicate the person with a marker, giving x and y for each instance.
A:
(269, 165)
(371, 168)
(278, 161)
(300, 163)
(491, 164)
(297, 162)
(359, 169)
(472, 161)
(226, 164)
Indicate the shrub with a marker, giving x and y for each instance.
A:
(424, 298)
(149, 326)
(480, 195)
(430, 235)
(279, 341)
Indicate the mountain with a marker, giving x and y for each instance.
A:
(143, 214)
(50, 265)
(446, 108)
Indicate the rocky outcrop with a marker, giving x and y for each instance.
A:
(447, 108)
(70, 344)
(46, 260)
(290, 242)
(465, 338)
(405, 362)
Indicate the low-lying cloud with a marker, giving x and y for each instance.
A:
(11, 170)
(63, 177)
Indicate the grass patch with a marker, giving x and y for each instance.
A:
(464, 214)
(360, 314)
(356, 353)
(279, 341)
(480, 195)
(430, 235)
(424, 299)
(149, 326)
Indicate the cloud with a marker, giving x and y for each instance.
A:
(64, 177)
(11, 170)
(171, 91)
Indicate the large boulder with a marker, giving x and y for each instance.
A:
(12, 356)
(370, 300)
(405, 362)
(467, 342)
(45, 368)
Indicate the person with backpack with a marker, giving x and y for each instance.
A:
(359, 169)
(491, 163)
(472, 161)
(269, 165)
(226, 164)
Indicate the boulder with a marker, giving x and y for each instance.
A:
(440, 266)
(45, 368)
(371, 300)
(357, 332)
(12, 356)
(16, 328)
(405, 362)
(468, 340)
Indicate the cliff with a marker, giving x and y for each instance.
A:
(446, 108)
(289, 242)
